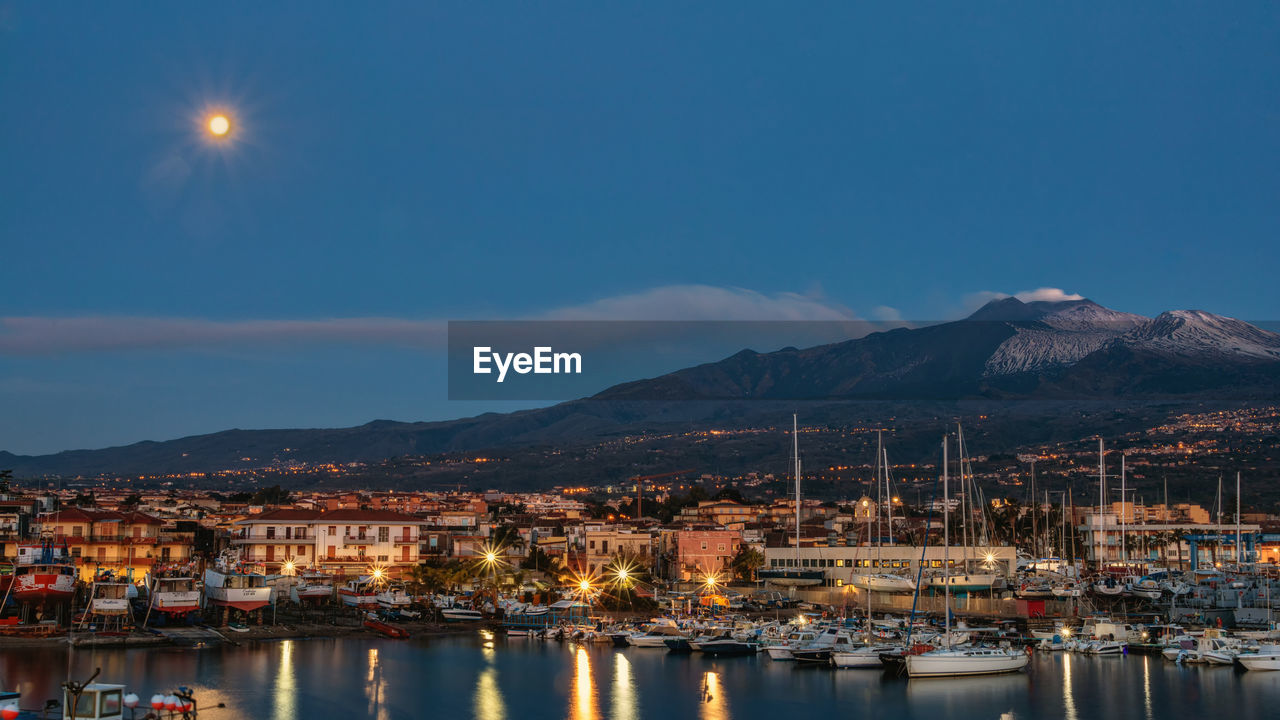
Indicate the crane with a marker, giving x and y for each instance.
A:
(639, 481)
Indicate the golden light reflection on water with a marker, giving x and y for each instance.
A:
(1068, 699)
(375, 688)
(715, 705)
(488, 703)
(286, 691)
(625, 705)
(584, 688)
(1146, 686)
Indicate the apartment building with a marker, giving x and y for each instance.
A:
(602, 545)
(702, 553)
(122, 542)
(343, 541)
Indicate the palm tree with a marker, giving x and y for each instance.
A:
(746, 562)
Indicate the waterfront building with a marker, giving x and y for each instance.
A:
(605, 544)
(702, 553)
(127, 543)
(344, 542)
(841, 564)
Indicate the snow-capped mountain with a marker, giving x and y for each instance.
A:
(1195, 333)
(1051, 335)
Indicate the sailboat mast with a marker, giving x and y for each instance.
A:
(1035, 530)
(1124, 548)
(795, 445)
(946, 544)
(888, 494)
(879, 495)
(1239, 552)
(1102, 502)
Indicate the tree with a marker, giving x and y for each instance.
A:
(273, 495)
(746, 562)
(132, 501)
(505, 536)
(729, 493)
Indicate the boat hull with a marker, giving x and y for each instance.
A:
(39, 585)
(1259, 662)
(943, 664)
(792, 578)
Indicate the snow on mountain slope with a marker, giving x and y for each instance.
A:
(1195, 333)
(1063, 333)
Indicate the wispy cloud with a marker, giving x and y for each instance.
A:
(36, 335)
(1044, 294)
(52, 335)
(706, 302)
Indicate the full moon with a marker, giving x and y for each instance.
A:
(219, 125)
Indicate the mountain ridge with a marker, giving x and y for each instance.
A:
(1006, 351)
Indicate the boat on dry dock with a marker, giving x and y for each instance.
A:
(230, 585)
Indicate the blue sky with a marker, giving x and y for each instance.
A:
(396, 165)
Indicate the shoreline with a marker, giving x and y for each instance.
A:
(200, 636)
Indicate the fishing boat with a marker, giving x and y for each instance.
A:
(795, 575)
(966, 661)
(394, 597)
(228, 584)
(315, 588)
(44, 573)
(173, 593)
(110, 595)
(362, 592)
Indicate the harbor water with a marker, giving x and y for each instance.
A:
(492, 678)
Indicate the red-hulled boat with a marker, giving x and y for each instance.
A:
(44, 573)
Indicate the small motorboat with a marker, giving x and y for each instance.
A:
(455, 614)
(728, 645)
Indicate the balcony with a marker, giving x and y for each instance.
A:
(356, 540)
(405, 540)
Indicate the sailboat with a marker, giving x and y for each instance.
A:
(868, 655)
(794, 576)
(971, 579)
(883, 582)
(966, 661)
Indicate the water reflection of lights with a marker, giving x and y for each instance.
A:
(374, 688)
(625, 706)
(488, 703)
(286, 694)
(1146, 686)
(715, 706)
(1068, 699)
(584, 688)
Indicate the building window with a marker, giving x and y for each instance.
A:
(333, 530)
(720, 547)
(704, 544)
(271, 532)
(384, 534)
(383, 558)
